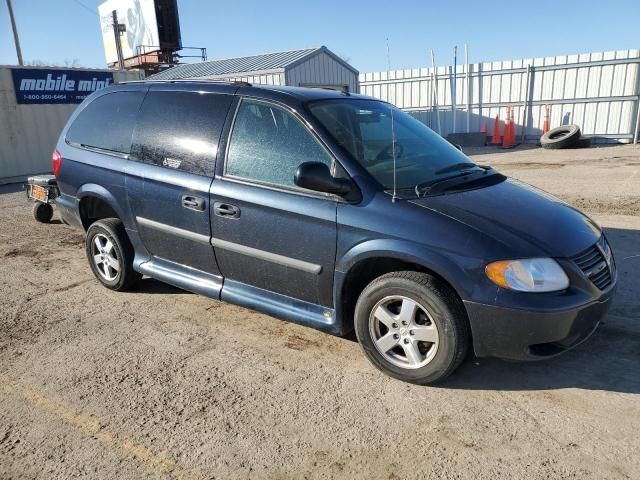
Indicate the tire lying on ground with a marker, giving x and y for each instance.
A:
(566, 136)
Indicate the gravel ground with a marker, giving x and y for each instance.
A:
(162, 383)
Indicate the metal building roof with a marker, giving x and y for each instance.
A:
(277, 61)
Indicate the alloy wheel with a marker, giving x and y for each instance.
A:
(105, 257)
(403, 332)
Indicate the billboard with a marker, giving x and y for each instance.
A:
(43, 85)
(139, 17)
(149, 23)
(168, 24)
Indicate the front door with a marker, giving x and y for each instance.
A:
(174, 150)
(267, 232)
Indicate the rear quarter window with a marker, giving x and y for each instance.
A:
(180, 130)
(107, 122)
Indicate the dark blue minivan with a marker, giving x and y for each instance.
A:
(332, 210)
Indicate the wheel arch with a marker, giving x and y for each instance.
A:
(370, 260)
(96, 203)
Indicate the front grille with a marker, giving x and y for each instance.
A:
(596, 262)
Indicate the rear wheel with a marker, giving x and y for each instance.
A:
(111, 254)
(412, 327)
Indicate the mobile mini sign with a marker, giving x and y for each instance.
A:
(34, 86)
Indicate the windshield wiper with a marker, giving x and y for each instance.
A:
(455, 167)
(437, 186)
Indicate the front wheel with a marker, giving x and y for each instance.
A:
(412, 327)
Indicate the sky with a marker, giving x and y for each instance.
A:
(65, 32)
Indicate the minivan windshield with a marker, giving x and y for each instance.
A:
(364, 129)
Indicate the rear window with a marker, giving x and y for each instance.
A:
(107, 122)
(180, 130)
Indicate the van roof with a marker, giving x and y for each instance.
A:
(299, 93)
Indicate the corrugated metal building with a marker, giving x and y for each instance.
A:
(310, 67)
(29, 132)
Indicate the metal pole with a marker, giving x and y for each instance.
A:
(524, 105)
(635, 134)
(454, 90)
(116, 32)
(435, 86)
(431, 101)
(15, 33)
(466, 61)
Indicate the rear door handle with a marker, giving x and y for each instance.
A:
(226, 210)
(193, 203)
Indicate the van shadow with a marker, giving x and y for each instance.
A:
(153, 286)
(610, 360)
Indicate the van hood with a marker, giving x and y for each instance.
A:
(520, 216)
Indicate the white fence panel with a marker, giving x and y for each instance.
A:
(599, 91)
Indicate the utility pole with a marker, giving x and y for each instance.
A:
(118, 30)
(15, 33)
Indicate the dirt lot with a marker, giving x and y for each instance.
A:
(163, 383)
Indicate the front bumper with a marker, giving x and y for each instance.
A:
(517, 334)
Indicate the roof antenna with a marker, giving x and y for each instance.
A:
(393, 131)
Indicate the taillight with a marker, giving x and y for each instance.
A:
(56, 162)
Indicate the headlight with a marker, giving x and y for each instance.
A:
(530, 275)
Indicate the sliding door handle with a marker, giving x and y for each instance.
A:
(193, 203)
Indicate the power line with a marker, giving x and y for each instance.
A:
(86, 8)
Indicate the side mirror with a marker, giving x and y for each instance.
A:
(317, 176)
(458, 146)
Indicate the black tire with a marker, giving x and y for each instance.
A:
(562, 137)
(42, 212)
(112, 230)
(445, 310)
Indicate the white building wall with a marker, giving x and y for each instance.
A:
(598, 91)
(321, 69)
